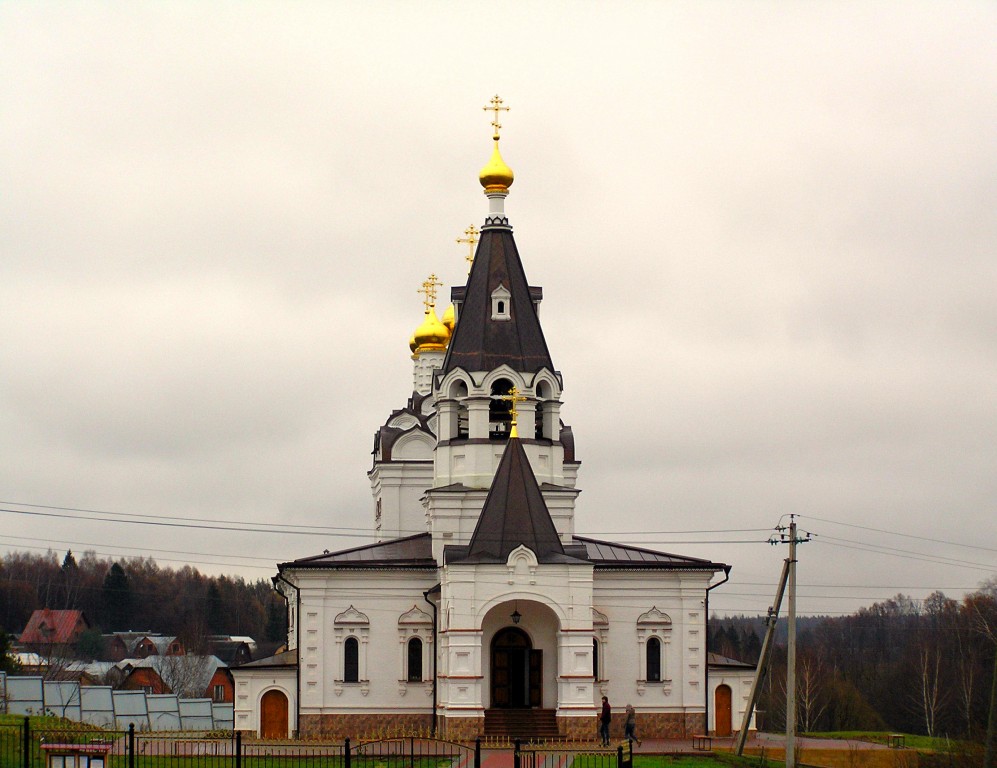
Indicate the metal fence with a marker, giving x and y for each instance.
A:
(80, 746)
(553, 757)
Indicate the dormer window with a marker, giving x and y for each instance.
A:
(500, 303)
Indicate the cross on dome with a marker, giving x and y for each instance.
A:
(496, 107)
(428, 290)
(513, 397)
(472, 233)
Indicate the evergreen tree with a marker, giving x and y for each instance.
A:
(276, 621)
(216, 609)
(117, 599)
(69, 578)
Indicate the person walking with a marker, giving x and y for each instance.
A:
(630, 727)
(604, 718)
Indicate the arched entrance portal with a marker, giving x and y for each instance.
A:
(273, 715)
(517, 670)
(723, 710)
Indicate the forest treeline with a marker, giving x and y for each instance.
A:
(905, 665)
(138, 594)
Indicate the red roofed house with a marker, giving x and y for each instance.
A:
(47, 628)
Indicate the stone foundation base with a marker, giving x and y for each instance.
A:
(461, 728)
(366, 726)
(650, 725)
(663, 725)
(578, 728)
(656, 725)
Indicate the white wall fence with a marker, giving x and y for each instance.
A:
(102, 706)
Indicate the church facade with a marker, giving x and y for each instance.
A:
(479, 595)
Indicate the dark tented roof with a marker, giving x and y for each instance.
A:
(283, 659)
(409, 552)
(482, 344)
(716, 660)
(610, 554)
(514, 514)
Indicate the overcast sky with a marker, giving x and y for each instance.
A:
(766, 234)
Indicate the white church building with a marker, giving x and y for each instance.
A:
(480, 601)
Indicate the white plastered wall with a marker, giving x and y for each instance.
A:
(251, 684)
(380, 602)
(623, 597)
(739, 681)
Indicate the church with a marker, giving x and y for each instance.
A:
(479, 601)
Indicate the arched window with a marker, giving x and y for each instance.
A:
(595, 659)
(415, 660)
(351, 660)
(653, 660)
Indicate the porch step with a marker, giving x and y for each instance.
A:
(526, 724)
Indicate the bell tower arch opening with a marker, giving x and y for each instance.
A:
(500, 410)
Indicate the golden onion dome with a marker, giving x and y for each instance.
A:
(449, 318)
(496, 176)
(411, 342)
(431, 334)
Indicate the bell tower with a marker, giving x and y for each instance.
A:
(497, 347)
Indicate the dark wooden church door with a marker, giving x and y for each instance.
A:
(517, 670)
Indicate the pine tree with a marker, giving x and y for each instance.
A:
(117, 599)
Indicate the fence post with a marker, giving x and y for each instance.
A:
(26, 741)
(516, 759)
(131, 745)
(346, 753)
(411, 751)
(238, 749)
(477, 752)
(619, 756)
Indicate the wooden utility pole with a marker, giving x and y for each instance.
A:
(791, 652)
(788, 576)
(763, 660)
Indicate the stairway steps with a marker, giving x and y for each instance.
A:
(526, 724)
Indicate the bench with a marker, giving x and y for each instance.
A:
(702, 743)
(896, 741)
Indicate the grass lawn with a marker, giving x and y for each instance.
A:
(911, 741)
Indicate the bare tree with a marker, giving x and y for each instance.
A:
(811, 696)
(186, 676)
(930, 692)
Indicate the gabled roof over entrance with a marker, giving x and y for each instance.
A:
(514, 514)
(481, 343)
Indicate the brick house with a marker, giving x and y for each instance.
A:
(188, 676)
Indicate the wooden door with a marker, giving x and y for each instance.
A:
(511, 669)
(536, 677)
(723, 710)
(273, 715)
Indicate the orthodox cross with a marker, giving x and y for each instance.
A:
(496, 107)
(472, 233)
(428, 291)
(513, 397)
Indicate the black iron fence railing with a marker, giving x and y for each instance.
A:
(79, 745)
(532, 756)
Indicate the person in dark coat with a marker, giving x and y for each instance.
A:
(604, 718)
(630, 726)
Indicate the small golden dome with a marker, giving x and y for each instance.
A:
(449, 318)
(496, 176)
(411, 342)
(431, 334)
